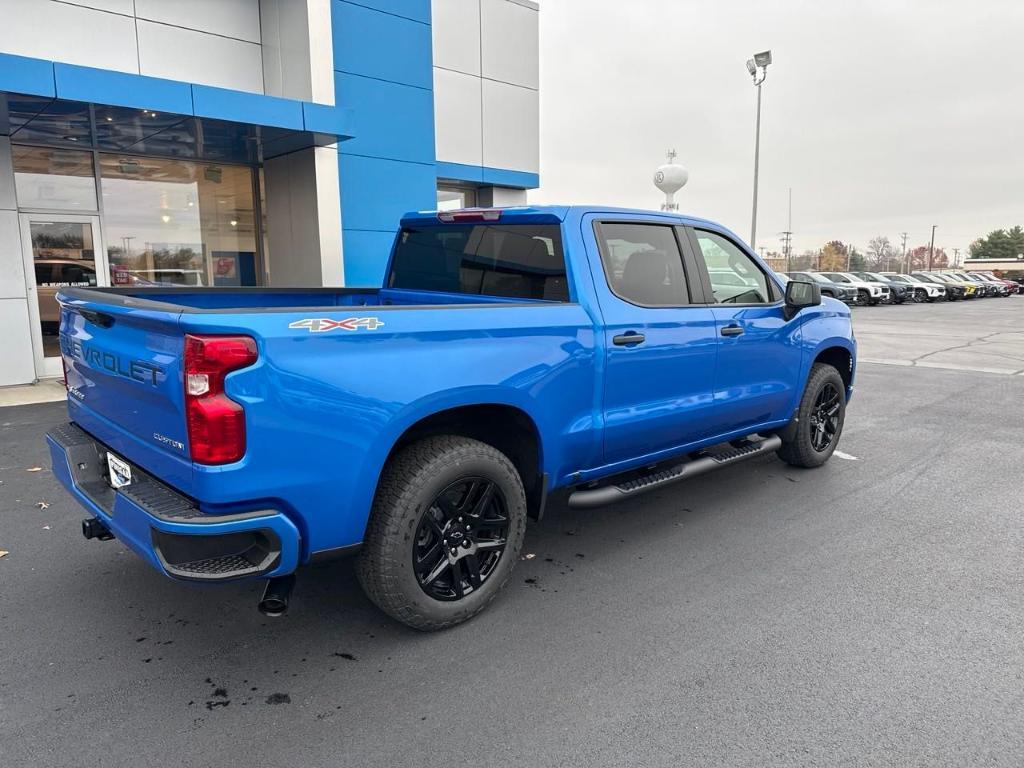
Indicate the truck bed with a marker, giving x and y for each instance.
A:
(272, 299)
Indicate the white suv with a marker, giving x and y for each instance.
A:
(870, 293)
(923, 290)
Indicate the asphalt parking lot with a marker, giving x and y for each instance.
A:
(867, 613)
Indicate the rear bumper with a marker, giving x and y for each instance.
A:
(167, 529)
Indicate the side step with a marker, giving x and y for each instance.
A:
(608, 494)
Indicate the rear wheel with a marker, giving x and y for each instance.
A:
(445, 532)
(810, 439)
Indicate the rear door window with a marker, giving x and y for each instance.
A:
(516, 261)
(643, 264)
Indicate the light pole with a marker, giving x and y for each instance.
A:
(931, 248)
(758, 69)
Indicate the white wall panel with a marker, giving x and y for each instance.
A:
(497, 197)
(304, 218)
(124, 7)
(457, 117)
(455, 26)
(8, 201)
(231, 18)
(18, 367)
(298, 49)
(509, 44)
(68, 33)
(511, 127)
(12, 265)
(182, 54)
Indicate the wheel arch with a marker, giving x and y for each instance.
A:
(840, 358)
(508, 427)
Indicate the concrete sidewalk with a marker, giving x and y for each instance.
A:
(43, 391)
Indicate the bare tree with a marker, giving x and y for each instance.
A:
(880, 253)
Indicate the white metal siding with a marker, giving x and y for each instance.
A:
(492, 45)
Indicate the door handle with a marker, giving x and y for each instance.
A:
(628, 338)
(732, 330)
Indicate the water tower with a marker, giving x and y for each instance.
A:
(670, 178)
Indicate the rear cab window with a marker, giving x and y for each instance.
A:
(515, 261)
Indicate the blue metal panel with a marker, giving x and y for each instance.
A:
(417, 10)
(460, 172)
(321, 118)
(119, 89)
(241, 107)
(366, 256)
(501, 177)
(376, 192)
(391, 120)
(19, 74)
(374, 44)
(507, 178)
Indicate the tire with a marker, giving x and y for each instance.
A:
(801, 437)
(865, 297)
(418, 502)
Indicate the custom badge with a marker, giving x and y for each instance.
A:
(322, 324)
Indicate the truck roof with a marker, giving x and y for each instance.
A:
(535, 213)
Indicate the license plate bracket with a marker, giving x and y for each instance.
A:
(119, 471)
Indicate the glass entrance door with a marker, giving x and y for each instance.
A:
(61, 251)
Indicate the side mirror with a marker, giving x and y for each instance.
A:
(800, 294)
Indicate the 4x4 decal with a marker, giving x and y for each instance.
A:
(321, 324)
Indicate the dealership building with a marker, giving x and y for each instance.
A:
(244, 142)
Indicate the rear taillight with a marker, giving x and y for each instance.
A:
(216, 423)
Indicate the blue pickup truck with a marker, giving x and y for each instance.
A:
(228, 434)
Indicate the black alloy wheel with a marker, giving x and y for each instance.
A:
(825, 417)
(460, 539)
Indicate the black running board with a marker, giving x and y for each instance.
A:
(608, 494)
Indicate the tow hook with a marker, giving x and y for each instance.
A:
(94, 528)
(278, 591)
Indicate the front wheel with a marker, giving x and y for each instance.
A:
(445, 531)
(811, 437)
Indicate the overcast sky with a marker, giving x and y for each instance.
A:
(883, 116)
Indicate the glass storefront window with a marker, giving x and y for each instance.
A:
(63, 255)
(178, 222)
(54, 179)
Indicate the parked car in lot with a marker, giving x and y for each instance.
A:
(982, 289)
(845, 293)
(955, 290)
(993, 287)
(923, 290)
(1012, 286)
(870, 292)
(227, 434)
(898, 292)
(973, 289)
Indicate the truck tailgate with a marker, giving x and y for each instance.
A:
(124, 378)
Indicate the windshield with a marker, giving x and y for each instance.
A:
(940, 278)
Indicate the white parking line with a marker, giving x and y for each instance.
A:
(943, 366)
